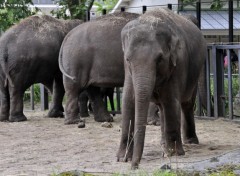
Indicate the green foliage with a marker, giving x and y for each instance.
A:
(37, 94)
(164, 173)
(76, 8)
(215, 4)
(235, 89)
(225, 170)
(105, 4)
(12, 11)
(115, 104)
(72, 173)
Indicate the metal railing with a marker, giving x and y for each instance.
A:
(215, 67)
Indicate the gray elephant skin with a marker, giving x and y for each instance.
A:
(29, 54)
(163, 56)
(91, 56)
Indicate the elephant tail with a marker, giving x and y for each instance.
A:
(5, 69)
(60, 62)
(202, 89)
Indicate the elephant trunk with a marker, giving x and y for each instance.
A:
(143, 85)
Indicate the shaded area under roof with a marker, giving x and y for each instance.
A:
(216, 19)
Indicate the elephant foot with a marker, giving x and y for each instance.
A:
(124, 156)
(84, 114)
(104, 118)
(154, 122)
(69, 121)
(81, 123)
(173, 148)
(55, 113)
(135, 165)
(18, 118)
(192, 140)
(4, 118)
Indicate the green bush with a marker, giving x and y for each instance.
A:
(235, 89)
(37, 94)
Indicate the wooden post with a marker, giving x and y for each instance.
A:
(44, 97)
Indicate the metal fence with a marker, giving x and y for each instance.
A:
(222, 99)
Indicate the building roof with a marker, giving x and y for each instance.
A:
(217, 19)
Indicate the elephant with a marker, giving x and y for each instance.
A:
(164, 54)
(91, 57)
(29, 54)
(85, 103)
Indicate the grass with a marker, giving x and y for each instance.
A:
(225, 170)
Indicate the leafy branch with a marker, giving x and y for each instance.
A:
(73, 9)
(108, 5)
(12, 11)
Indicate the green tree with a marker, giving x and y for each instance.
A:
(11, 11)
(77, 9)
(105, 4)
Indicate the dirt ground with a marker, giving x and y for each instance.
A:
(42, 146)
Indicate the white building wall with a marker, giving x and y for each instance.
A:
(151, 2)
(132, 4)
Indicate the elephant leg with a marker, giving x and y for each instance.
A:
(99, 109)
(16, 105)
(188, 123)
(153, 117)
(5, 104)
(71, 108)
(172, 126)
(162, 141)
(125, 151)
(83, 104)
(56, 109)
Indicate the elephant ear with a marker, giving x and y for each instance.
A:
(174, 49)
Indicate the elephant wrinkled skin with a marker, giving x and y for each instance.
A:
(163, 56)
(29, 54)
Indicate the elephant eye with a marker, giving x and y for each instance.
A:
(127, 59)
(159, 58)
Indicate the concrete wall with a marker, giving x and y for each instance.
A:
(140, 3)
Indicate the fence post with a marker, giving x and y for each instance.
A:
(118, 99)
(199, 103)
(44, 98)
(218, 80)
(144, 9)
(209, 113)
(214, 58)
(199, 108)
(230, 15)
(32, 96)
(122, 9)
(239, 70)
(230, 99)
(104, 12)
(169, 6)
(198, 15)
(220, 83)
(88, 15)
